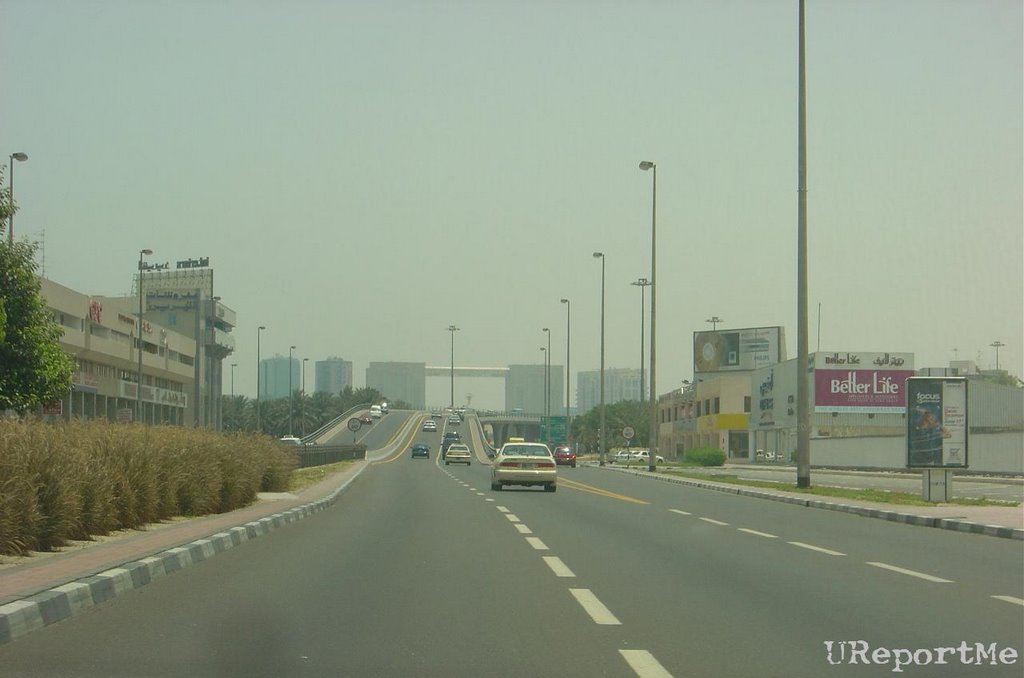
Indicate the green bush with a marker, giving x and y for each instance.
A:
(70, 481)
(706, 456)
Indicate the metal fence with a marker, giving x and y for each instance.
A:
(319, 455)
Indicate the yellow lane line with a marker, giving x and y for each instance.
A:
(400, 452)
(581, 487)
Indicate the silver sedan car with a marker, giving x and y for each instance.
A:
(522, 463)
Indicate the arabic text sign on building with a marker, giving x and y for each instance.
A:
(937, 423)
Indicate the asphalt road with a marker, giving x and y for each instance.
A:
(421, 570)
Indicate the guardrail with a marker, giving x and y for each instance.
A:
(312, 437)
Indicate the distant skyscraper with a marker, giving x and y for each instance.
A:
(400, 381)
(619, 384)
(524, 389)
(274, 377)
(333, 375)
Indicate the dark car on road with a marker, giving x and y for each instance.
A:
(421, 450)
(449, 438)
(564, 456)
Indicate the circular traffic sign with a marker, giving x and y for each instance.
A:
(628, 433)
(353, 424)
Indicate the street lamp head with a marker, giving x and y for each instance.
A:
(234, 364)
(261, 327)
(646, 165)
(146, 252)
(599, 255)
(20, 157)
(565, 301)
(546, 329)
(641, 282)
(291, 348)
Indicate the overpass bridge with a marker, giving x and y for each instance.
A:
(500, 426)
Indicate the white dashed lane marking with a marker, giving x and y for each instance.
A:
(523, 529)
(594, 607)
(512, 517)
(682, 513)
(1010, 599)
(537, 543)
(816, 548)
(912, 573)
(558, 567)
(644, 664)
(755, 532)
(502, 509)
(713, 521)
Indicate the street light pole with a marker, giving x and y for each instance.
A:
(453, 329)
(997, 345)
(803, 390)
(642, 283)
(568, 373)
(544, 364)
(20, 157)
(601, 433)
(138, 337)
(547, 377)
(291, 397)
(233, 366)
(653, 413)
(714, 320)
(302, 398)
(259, 424)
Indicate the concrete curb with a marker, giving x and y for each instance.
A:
(21, 617)
(865, 511)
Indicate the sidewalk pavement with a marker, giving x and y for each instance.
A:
(46, 588)
(994, 521)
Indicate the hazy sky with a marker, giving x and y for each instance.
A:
(363, 174)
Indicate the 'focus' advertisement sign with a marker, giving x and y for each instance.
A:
(936, 422)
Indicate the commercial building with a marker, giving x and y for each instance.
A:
(332, 375)
(278, 374)
(524, 389)
(400, 381)
(619, 384)
(711, 413)
(100, 335)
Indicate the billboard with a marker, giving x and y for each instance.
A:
(737, 350)
(937, 425)
(861, 382)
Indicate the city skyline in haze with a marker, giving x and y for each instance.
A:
(362, 175)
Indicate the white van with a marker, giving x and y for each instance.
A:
(375, 411)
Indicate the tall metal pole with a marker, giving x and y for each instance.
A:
(653, 411)
(547, 376)
(803, 445)
(601, 433)
(20, 157)
(544, 364)
(138, 385)
(302, 398)
(233, 366)
(291, 398)
(259, 423)
(642, 283)
(453, 329)
(568, 373)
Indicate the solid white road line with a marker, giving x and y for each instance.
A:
(755, 532)
(713, 521)
(523, 529)
(682, 513)
(594, 607)
(912, 573)
(816, 548)
(644, 664)
(558, 567)
(537, 543)
(1010, 599)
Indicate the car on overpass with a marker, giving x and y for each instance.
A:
(458, 453)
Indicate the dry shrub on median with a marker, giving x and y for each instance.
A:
(69, 481)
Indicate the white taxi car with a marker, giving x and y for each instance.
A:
(458, 453)
(522, 463)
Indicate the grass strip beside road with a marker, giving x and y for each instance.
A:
(881, 496)
(304, 477)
